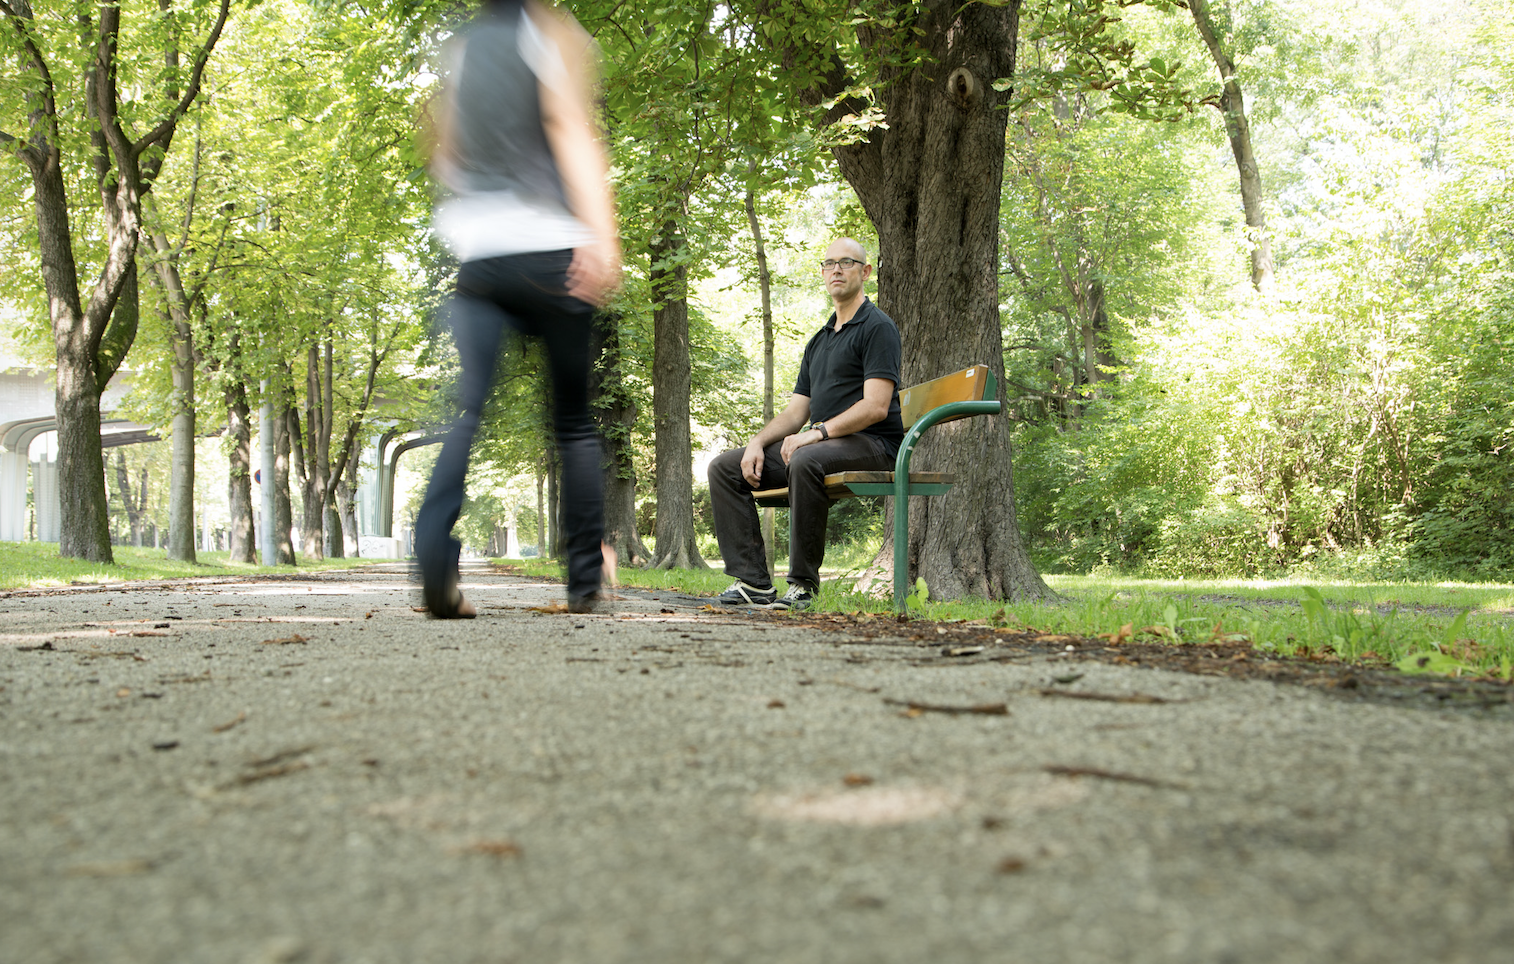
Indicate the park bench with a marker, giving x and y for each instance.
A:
(959, 395)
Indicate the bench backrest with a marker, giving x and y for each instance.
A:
(970, 385)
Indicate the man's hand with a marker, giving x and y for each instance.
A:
(751, 464)
(794, 443)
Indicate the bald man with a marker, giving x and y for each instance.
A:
(843, 416)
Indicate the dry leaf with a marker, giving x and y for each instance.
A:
(285, 641)
(775, 704)
(856, 779)
(1126, 632)
(222, 728)
(1011, 865)
(493, 848)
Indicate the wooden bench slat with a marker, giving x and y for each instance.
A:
(969, 385)
(838, 485)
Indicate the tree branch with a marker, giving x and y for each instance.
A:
(165, 128)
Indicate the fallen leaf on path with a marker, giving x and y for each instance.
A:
(856, 779)
(165, 745)
(549, 608)
(222, 728)
(1124, 633)
(1011, 865)
(1069, 678)
(913, 708)
(1056, 769)
(1108, 697)
(286, 640)
(775, 704)
(492, 848)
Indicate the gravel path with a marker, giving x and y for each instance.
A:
(309, 770)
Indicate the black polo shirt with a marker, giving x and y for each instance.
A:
(836, 363)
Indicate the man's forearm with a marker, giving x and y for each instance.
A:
(862, 414)
(784, 424)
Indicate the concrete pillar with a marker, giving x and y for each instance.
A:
(45, 498)
(13, 468)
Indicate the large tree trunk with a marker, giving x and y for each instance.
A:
(181, 486)
(310, 467)
(930, 183)
(671, 385)
(283, 510)
(133, 504)
(1238, 129)
(345, 491)
(242, 540)
(765, 288)
(615, 411)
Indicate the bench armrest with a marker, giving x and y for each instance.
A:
(901, 480)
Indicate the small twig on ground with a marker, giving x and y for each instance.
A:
(1057, 769)
(911, 708)
(1108, 697)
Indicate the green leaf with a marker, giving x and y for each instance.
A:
(1430, 661)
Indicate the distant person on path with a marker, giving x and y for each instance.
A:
(842, 416)
(531, 218)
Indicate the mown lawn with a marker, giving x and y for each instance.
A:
(37, 565)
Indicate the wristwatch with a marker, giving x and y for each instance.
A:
(824, 433)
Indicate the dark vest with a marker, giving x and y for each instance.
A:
(501, 145)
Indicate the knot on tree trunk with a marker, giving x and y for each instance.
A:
(963, 87)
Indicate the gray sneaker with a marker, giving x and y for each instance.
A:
(741, 594)
(796, 598)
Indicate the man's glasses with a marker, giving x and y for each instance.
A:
(846, 264)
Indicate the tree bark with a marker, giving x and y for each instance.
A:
(930, 182)
(1232, 105)
(615, 411)
(541, 513)
(283, 510)
(242, 542)
(181, 486)
(672, 381)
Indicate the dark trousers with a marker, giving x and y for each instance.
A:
(527, 293)
(736, 525)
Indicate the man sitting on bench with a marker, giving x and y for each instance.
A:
(843, 416)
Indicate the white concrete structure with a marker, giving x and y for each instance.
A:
(28, 446)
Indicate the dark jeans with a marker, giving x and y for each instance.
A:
(736, 525)
(528, 293)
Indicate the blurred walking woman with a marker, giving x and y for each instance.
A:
(531, 217)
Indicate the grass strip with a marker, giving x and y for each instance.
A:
(1450, 629)
(37, 565)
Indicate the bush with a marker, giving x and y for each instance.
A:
(1218, 539)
